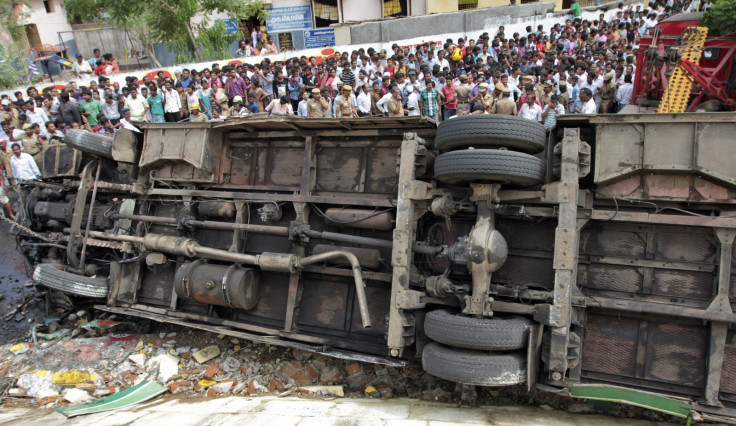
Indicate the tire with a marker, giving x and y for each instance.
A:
(489, 165)
(491, 131)
(483, 334)
(91, 143)
(51, 276)
(474, 367)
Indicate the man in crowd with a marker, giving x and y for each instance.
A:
(531, 110)
(505, 105)
(624, 93)
(317, 106)
(196, 116)
(344, 107)
(394, 105)
(137, 106)
(81, 68)
(156, 105)
(551, 111)
(90, 108)
(24, 166)
(172, 103)
(588, 104)
(280, 106)
(429, 101)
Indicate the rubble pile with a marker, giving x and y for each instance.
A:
(66, 370)
(79, 360)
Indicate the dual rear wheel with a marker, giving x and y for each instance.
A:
(483, 149)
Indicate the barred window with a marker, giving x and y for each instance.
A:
(325, 12)
(394, 8)
(467, 4)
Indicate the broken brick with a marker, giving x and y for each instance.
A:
(275, 385)
(311, 373)
(86, 386)
(330, 375)
(289, 370)
(352, 369)
(181, 386)
(47, 400)
(211, 371)
(211, 392)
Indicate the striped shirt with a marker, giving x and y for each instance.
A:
(429, 97)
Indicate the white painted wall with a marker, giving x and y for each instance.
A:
(49, 23)
(360, 10)
(418, 7)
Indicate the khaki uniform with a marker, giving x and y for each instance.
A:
(234, 112)
(489, 103)
(315, 108)
(343, 107)
(375, 97)
(539, 89)
(564, 100)
(546, 97)
(462, 93)
(391, 108)
(30, 146)
(5, 157)
(608, 92)
(184, 104)
(505, 106)
(199, 118)
(11, 117)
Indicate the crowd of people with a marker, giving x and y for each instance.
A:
(579, 66)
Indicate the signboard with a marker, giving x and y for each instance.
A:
(231, 25)
(289, 18)
(286, 41)
(319, 38)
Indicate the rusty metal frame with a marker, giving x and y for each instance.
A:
(721, 305)
(567, 239)
(402, 297)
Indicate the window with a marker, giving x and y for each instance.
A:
(49, 6)
(394, 8)
(467, 4)
(711, 53)
(325, 13)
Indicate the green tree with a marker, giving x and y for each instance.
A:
(721, 18)
(126, 14)
(12, 68)
(185, 25)
(14, 59)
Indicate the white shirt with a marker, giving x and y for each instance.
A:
(624, 92)
(125, 124)
(364, 102)
(381, 104)
(37, 116)
(301, 109)
(412, 104)
(81, 69)
(531, 113)
(589, 107)
(172, 102)
(24, 167)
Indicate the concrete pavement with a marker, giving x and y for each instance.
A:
(290, 411)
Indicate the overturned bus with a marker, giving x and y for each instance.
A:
(593, 261)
